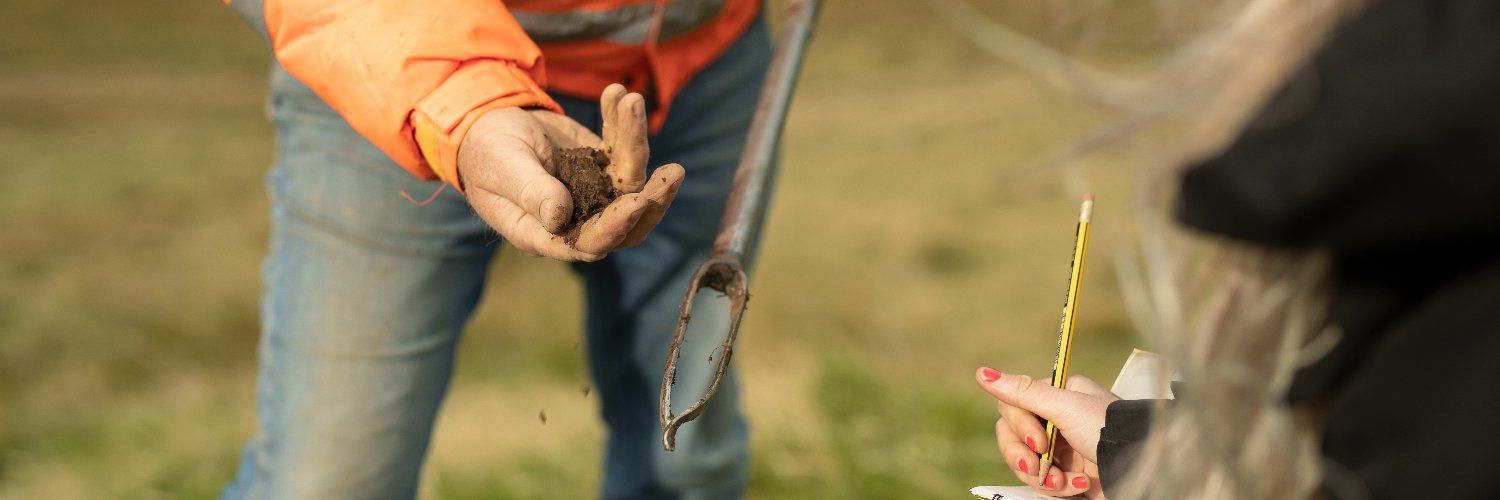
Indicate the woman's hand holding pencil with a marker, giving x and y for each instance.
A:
(1078, 414)
(1067, 464)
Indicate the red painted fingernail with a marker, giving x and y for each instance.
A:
(989, 374)
(1051, 482)
(1022, 465)
(1031, 443)
(1081, 482)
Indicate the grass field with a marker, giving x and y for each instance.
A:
(133, 145)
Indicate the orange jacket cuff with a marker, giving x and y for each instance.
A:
(441, 119)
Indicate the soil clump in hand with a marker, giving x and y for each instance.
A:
(581, 170)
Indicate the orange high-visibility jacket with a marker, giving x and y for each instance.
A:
(411, 76)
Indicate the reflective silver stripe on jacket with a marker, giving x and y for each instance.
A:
(627, 25)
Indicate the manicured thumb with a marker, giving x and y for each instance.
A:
(1035, 396)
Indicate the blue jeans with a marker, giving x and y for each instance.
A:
(366, 293)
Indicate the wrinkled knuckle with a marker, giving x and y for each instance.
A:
(513, 224)
(1023, 383)
(531, 195)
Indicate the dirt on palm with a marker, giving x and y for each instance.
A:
(582, 171)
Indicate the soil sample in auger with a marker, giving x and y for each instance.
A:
(581, 170)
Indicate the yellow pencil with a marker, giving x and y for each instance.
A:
(1065, 333)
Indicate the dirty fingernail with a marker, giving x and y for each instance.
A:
(1081, 482)
(989, 374)
(1021, 464)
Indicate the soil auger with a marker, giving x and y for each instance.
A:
(724, 270)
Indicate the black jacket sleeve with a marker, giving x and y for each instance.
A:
(1126, 423)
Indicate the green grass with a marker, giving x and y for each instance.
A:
(911, 242)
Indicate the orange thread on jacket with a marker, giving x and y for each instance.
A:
(429, 199)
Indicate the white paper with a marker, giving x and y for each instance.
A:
(1007, 493)
(1141, 378)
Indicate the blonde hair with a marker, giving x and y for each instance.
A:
(1234, 320)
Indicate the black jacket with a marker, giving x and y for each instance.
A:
(1385, 151)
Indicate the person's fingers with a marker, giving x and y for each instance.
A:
(605, 231)
(1037, 397)
(523, 231)
(1091, 474)
(609, 103)
(625, 139)
(1072, 464)
(1021, 460)
(1080, 383)
(1069, 484)
(1069, 460)
(509, 167)
(557, 131)
(1052, 483)
(1066, 463)
(1026, 425)
(1078, 416)
(659, 193)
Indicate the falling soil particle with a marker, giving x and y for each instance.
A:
(542, 415)
(584, 389)
(582, 171)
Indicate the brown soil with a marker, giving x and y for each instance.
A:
(582, 171)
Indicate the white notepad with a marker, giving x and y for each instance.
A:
(1140, 378)
(1007, 493)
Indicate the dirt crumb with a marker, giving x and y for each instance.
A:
(582, 172)
(542, 415)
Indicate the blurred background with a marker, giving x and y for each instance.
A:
(913, 239)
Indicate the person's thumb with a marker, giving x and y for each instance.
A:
(510, 167)
(1036, 396)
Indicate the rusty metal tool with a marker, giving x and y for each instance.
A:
(724, 270)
